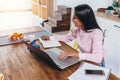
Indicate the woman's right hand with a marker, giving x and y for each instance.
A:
(45, 38)
(64, 55)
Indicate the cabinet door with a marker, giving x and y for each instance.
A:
(42, 8)
(111, 44)
(112, 56)
(111, 29)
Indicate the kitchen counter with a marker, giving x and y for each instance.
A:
(110, 17)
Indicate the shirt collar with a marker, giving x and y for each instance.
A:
(90, 30)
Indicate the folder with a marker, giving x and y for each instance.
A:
(79, 74)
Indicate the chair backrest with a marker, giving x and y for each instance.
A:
(74, 42)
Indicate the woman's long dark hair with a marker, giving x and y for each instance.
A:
(86, 15)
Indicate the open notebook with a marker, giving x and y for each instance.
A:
(49, 43)
(79, 74)
(50, 57)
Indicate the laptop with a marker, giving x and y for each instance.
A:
(50, 56)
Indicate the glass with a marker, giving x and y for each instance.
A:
(30, 38)
(107, 12)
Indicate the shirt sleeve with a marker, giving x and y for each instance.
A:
(97, 48)
(67, 37)
(82, 56)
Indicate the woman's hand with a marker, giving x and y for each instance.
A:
(64, 55)
(45, 38)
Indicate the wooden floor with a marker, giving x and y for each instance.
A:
(18, 19)
(21, 30)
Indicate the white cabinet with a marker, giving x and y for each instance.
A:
(111, 30)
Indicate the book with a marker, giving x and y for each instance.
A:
(50, 43)
(80, 74)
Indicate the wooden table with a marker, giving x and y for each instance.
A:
(17, 63)
(64, 74)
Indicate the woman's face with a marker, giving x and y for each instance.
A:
(77, 22)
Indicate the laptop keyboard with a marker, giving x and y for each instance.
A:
(54, 52)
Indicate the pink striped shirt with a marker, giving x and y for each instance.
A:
(89, 43)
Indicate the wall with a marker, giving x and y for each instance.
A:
(93, 3)
(13, 5)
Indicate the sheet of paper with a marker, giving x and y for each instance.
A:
(79, 74)
(49, 43)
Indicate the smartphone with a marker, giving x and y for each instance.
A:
(94, 72)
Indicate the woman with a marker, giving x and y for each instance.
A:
(88, 35)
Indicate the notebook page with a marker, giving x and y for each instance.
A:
(49, 43)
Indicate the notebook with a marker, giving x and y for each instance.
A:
(50, 57)
(79, 74)
(49, 43)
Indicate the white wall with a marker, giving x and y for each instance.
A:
(11, 5)
(95, 4)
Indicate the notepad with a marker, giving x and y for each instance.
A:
(79, 74)
(49, 43)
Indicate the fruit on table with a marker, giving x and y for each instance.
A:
(13, 37)
(16, 34)
(21, 35)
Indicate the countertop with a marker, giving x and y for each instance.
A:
(110, 17)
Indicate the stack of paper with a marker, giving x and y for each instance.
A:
(49, 43)
(79, 74)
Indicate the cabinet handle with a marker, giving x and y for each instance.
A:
(104, 32)
(116, 26)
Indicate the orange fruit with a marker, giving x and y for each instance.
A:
(16, 34)
(21, 35)
(14, 37)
